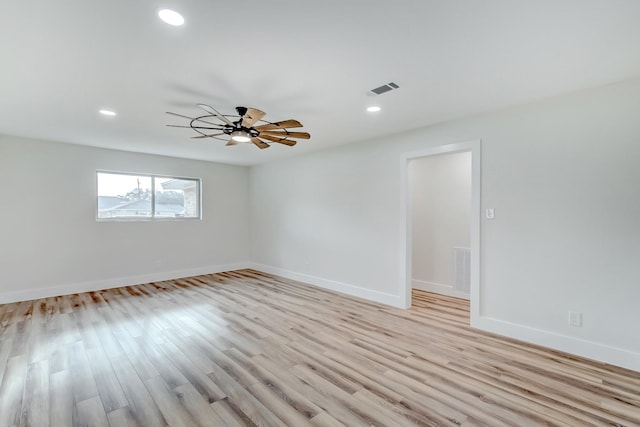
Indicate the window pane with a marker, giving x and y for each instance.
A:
(176, 198)
(124, 196)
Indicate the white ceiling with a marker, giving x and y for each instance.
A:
(61, 61)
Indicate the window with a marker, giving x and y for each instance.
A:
(124, 196)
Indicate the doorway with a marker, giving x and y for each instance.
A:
(447, 259)
(440, 212)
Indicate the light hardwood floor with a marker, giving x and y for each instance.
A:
(247, 348)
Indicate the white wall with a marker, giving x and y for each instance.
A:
(563, 176)
(51, 243)
(440, 214)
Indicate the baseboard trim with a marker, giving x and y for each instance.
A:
(116, 282)
(345, 288)
(584, 348)
(438, 288)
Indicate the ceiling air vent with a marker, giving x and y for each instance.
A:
(384, 88)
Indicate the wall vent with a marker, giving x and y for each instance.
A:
(462, 273)
(384, 88)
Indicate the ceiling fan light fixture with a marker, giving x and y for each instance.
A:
(171, 17)
(240, 136)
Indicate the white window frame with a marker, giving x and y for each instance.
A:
(153, 177)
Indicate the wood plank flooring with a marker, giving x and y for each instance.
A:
(245, 348)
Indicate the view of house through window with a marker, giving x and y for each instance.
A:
(122, 196)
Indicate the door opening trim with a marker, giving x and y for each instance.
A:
(474, 147)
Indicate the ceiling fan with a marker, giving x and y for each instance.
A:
(248, 126)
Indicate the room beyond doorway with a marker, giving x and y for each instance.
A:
(440, 223)
(407, 249)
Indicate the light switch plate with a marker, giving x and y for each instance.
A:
(491, 213)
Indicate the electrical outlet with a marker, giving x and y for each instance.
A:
(575, 318)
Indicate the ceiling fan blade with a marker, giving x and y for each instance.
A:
(288, 142)
(207, 136)
(285, 134)
(195, 127)
(252, 116)
(231, 142)
(284, 141)
(180, 115)
(280, 125)
(209, 109)
(260, 144)
(193, 118)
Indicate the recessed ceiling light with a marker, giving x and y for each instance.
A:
(373, 109)
(108, 112)
(171, 17)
